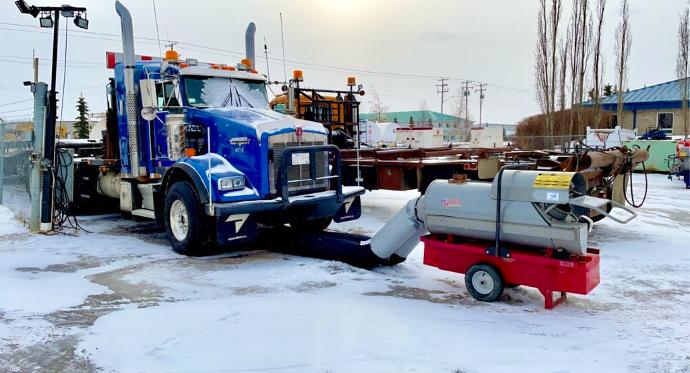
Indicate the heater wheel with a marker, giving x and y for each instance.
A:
(484, 283)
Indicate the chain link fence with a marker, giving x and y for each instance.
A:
(16, 146)
(560, 143)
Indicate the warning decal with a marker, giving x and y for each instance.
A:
(557, 180)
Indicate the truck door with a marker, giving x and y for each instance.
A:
(167, 94)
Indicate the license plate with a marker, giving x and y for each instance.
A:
(300, 158)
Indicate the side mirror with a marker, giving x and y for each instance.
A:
(149, 113)
(149, 99)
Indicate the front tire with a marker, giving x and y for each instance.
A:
(185, 222)
(484, 283)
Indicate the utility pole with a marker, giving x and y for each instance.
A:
(442, 89)
(466, 94)
(481, 89)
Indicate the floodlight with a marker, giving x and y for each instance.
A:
(46, 21)
(81, 22)
(26, 9)
(23, 7)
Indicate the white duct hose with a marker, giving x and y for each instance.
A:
(401, 234)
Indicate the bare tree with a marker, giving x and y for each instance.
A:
(563, 51)
(585, 39)
(542, 65)
(377, 107)
(682, 64)
(462, 112)
(554, 21)
(424, 108)
(598, 63)
(623, 44)
(574, 58)
(546, 62)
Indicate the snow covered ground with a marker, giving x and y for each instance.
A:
(119, 299)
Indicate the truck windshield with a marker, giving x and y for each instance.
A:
(205, 91)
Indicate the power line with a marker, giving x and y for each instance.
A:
(100, 64)
(17, 102)
(16, 110)
(47, 63)
(116, 37)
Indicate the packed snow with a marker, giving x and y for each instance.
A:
(118, 299)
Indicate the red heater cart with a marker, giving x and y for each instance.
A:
(486, 275)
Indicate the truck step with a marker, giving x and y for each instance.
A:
(144, 213)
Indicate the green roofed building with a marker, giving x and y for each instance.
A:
(454, 128)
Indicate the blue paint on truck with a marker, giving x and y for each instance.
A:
(212, 128)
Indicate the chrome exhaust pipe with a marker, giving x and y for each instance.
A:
(130, 95)
(249, 43)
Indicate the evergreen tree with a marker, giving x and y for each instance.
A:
(608, 90)
(82, 123)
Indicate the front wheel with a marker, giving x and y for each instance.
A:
(185, 223)
(484, 283)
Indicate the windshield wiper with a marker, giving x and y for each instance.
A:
(243, 98)
(228, 98)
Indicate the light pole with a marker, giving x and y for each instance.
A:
(47, 13)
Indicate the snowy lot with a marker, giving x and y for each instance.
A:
(119, 299)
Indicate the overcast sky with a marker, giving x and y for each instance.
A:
(386, 44)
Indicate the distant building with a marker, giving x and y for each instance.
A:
(644, 109)
(508, 129)
(66, 129)
(454, 128)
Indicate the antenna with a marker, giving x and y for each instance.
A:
(282, 39)
(158, 35)
(268, 70)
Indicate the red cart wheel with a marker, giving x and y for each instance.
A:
(484, 283)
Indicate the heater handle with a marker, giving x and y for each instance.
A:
(596, 204)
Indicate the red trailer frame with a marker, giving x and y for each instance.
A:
(577, 274)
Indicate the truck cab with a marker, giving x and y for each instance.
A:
(201, 152)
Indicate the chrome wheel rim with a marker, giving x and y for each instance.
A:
(179, 221)
(482, 282)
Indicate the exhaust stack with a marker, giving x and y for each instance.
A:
(130, 97)
(249, 43)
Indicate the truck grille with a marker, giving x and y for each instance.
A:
(298, 172)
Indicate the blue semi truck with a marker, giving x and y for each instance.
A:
(195, 147)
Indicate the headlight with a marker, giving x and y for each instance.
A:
(231, 183)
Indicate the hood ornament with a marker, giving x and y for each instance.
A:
(299, 131)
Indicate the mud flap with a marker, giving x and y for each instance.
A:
(351, 209)
(235, 229)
